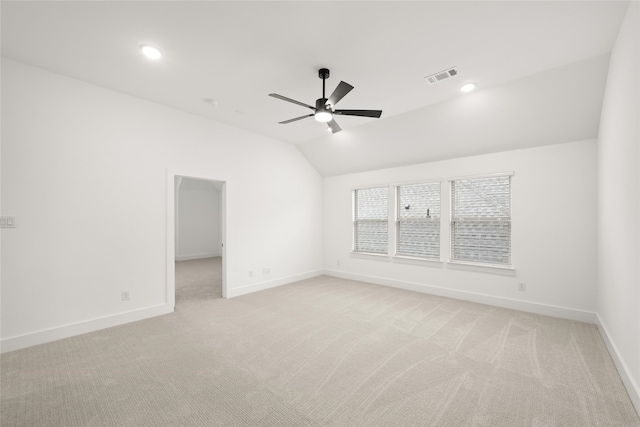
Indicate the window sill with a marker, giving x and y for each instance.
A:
(417, 261)
(368, 255)
(482, 268)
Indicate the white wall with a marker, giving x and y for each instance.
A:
(619, 205)
(198, 223)
(84, 171)
(553, 231)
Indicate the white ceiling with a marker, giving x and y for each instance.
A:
(239, 52)
(552, 107)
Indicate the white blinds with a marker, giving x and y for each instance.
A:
(370, 220)
(481, 220)
(418, 220)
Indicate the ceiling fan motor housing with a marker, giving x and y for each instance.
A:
(321, 104)
(323, 112)
(323, 73)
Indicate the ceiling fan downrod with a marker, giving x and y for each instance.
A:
(324, 113)
(323, 73)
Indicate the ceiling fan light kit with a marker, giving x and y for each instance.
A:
(323, 116)
(325, 107)
(323, 113)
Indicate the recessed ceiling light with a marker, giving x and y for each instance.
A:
(468, 87)
(150, 52)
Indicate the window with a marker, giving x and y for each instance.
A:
(418, 220)
(370, 216)
(481, 220)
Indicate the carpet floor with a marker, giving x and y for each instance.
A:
(319, 352)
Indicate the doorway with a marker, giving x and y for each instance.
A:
(196, 231)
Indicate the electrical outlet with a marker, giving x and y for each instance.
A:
(125, 296)
(250, 273)
(338, 262)
(522, 286)
(8, 222)
(266, 270)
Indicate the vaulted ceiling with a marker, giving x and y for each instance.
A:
(540, 68)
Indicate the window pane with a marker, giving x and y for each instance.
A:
(370, 226)
(371, 236)
(482, 241)
(418, 239)
(419, 200)
(371, 203)
(418, 224)
(482, 197)
(481, 220)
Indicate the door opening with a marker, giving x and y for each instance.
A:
(196, 233)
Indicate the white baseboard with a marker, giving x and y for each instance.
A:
(530, 307)
(630, 384)
(66, 331)
(198, 256)
(255, 287)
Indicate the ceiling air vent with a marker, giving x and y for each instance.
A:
(442, 75)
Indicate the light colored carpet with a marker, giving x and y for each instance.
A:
(320, 352)
(198, 279)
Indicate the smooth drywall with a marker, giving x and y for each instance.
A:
(619, 203)
(552, 107)
(198, 222)
(553, 231)
(84, 171)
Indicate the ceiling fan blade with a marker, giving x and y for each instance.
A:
(361, 113)
(334, 126)
(296, 119)
(284, 98)
(339, 93)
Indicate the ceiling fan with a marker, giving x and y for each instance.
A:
(325, 107)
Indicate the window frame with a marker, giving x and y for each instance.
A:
(479, 265)
(398, 222)
(355, 221)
